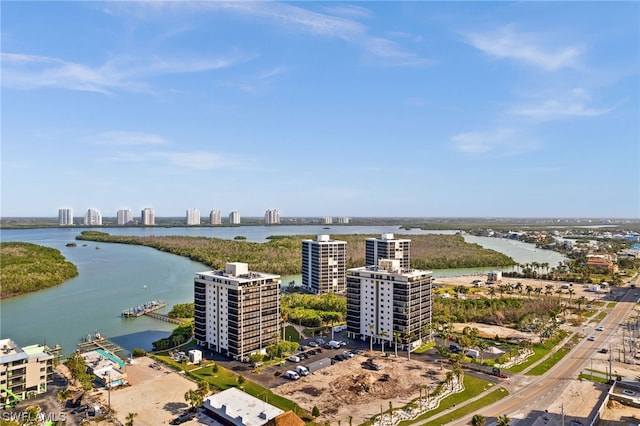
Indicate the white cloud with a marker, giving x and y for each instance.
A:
(536, 49)
(350, 11)
(127, 138)
(502, 141)
(555, 109)
(198, 160)
(20, 71)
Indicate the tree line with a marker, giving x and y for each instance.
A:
(28, 267)
(282, 254)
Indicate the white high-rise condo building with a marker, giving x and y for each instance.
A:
(65, 217)
(193, 217)
(343, 220)
(93, 217)
(389, 303)
(324, 265)
(148, 217)
(388, 247)
(124, 216)
(327, 220)
(234, 218)
(215, 217)
(237, 311)
(272, 217)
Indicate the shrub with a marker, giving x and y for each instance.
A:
(315, 412)
(137, 352)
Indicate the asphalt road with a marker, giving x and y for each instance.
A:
(535, 394)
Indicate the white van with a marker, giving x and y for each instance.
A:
(291, 375)
(473, 353)
(294, 358)
(302, 370)
(334, 344)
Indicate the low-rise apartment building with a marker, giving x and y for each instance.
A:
(24, 371)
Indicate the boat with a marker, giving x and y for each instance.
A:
(140, 310)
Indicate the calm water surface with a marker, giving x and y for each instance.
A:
(114, 277)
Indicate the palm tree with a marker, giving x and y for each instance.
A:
(478, 420)
(130, 418)
(396, 336)
(370, 337)
(519, 288)
(529, 289)
(492, 292)
(581, 300)
(383, 337)
(571, 293)
(538, 291)
(449, 378)
(503, 420)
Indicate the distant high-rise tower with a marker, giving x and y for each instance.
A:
(93, 217)
(272, 217)
(234, 218)
(237, 311)
(387, 247)
(215, 217)
(124, 216)
(148, 216)
(65, 217)
(327, 220)
(193, 217)
(343, 220)
(324, 265)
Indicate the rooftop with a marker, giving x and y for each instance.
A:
(240, 408)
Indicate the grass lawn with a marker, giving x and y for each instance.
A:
(423, 348)
(548, 363)
(470, 408)
(291, 334)
(472, 387)
(539, 352)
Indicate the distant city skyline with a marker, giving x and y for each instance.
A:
(365, 109)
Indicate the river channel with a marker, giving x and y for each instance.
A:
(115, 277)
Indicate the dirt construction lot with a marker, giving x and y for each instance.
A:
(157, 395)
(347, 389)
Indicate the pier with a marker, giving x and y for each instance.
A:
(89, 344)
(163, 317)
(140, 310)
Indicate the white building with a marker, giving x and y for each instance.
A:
(388, 247)
(272, 217)
(343, 220)
(324, 265)
(65, 217)
(385, 299)
(237, 311)
(148, 217)
(215, 218)
(193, 217)
(93, 217)
(124, 216)
(238, 408)
(195, 356)
(234, 218)
(327, 220)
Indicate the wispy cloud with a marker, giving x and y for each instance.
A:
(198, 160)
(21, 71)
(575, 103)
(540, 50)
(127, 138)
(339, 23)
(501, 141)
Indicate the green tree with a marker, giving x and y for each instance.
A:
(194, 398)
(315, 412)
(129, 419)
(396, 336)
(478, 420)
(503, 420)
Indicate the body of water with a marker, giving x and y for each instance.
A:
(114, 277)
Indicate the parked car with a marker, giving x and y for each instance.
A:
(603, 350)
(80, 409)
(302, 370)
(591, 338)
(348, 354)
(320, 341)
(371, 366)
(291, 375)
(184, 417)
(600, 328)
(312, 344)
(294, 358)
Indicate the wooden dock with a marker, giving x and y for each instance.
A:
(140, 310)
(91, 344)
(163, 317)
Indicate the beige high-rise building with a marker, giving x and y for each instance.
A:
(193, 217)
(215, 218)
(324, 265)
(65, 217)
(148, 217)
(388, 247)
(272, 217)
(234, 218)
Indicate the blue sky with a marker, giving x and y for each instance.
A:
(414, 109)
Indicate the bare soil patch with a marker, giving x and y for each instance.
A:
(347, 389)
